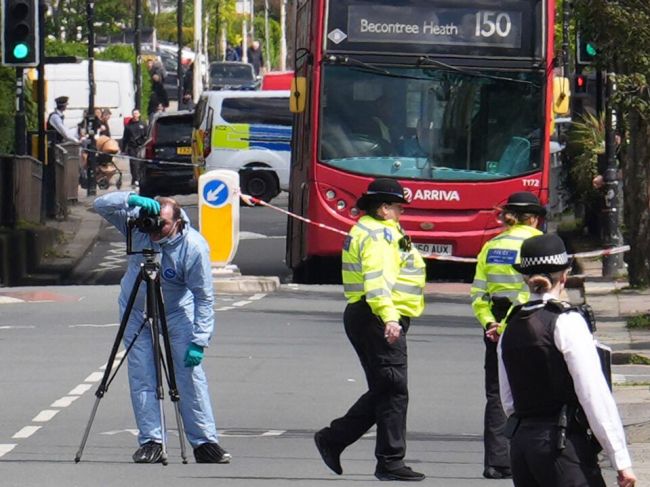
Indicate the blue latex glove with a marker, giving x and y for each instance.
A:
(151, 206)
(194, 355)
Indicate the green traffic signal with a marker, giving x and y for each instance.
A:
(590, 49)
(21, 50)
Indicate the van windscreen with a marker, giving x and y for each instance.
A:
(257, 110)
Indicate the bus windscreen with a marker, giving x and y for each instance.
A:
(431, 123)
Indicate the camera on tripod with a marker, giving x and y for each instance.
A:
(146, 223)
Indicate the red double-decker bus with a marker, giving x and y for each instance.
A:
(451, 97)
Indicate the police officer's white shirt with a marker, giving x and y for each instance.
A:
(56, 120)
(574, 340)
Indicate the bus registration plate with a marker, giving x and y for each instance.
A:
(433, 248)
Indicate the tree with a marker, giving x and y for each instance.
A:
(621, 32)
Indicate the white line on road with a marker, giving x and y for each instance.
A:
(89, 325)
(45, 415)
(80, 390)
(241, 303)
(26, 432)
(257, 296)
(224, 308)
(94, 377)
(64, 402)
(6, 448)
(15, 327)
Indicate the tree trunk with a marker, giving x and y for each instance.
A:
(636, 177)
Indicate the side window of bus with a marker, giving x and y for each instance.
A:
(267, 111)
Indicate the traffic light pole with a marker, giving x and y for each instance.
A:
(612, 264)
(137, 41)
(92, 145)
(20, 124)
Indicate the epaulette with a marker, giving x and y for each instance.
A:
(583, 310)
(557, 306)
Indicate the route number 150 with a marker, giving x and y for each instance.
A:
(491, 23)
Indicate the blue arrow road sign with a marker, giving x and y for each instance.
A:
(215, 193)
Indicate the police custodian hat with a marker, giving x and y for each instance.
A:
(60, 101)
(524, 202)
(382, 190)
(542, 254)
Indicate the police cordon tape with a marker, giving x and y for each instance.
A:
(251, 201)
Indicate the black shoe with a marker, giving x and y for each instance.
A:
(331, 456)
(211, 453)
(497, 473)
(150, 452)
(403, 473)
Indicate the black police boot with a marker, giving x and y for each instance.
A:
(211, 453)
(150, 452)
(497, 473)
(330, 454)
(403, 473)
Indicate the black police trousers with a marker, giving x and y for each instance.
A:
(386, 401)
(495, 444)
(537, 462)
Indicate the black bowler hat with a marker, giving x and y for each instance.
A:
(524, 202)
(61, 101)
(382, 190)
(542, 254)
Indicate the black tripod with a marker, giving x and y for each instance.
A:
(156, 319)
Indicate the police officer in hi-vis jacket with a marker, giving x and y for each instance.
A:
(383, 281)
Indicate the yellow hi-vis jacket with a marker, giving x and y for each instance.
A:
(495, 276)
(392, 281)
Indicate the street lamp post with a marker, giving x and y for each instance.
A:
(92, 146)
(612, 264)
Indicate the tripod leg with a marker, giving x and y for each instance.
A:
(173, 388)
(103, 386)
(153, 283)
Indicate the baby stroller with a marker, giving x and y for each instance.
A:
(105, 168)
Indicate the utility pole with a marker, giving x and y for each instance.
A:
(266, 35)
(92, 146)
(197, 85)
(283, 35)
(612, 264)
(137, 41)
(179, 40)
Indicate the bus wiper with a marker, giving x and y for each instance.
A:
(355, 62)
(469, 72)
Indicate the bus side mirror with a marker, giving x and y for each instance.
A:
(561, 95)
(298, 98)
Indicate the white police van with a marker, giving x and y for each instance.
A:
(248, 132)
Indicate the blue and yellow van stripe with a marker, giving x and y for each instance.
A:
(245, 136)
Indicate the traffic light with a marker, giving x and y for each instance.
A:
(580, 84)
(586, 50)
(20, 32)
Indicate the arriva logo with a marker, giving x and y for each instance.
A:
(431, 195)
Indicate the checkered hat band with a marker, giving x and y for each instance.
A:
(557, 259)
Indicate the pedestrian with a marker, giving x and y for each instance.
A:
(231, 53)
(383, 281)
(59, 132)
(157, 97)
(135, 134)
(255, 57)
(496, 287)
(104, 127)
(551, 383)
(187, 289)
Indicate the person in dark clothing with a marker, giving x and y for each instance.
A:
(232, 54)
(551, 384)
(135, 134)
(256, 58)
(158, 96)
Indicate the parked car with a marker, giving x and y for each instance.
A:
(231, 75)
(277, 80)
(169, 141)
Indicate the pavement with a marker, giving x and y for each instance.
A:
(612, 301)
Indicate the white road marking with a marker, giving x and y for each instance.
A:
(80, 390)
(15, 327)
(45, 415)
(10, 300)
(241, 303)
(64, 402)
(6, 448)
(94, 377)
(257, 296)
(26, 432)
(225, 308)
(117, 432)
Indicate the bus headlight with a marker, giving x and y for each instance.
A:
(340, 205)
(330, 194)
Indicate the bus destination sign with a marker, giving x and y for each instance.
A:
(422, 27)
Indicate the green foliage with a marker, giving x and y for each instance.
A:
(7, 107)
(639, 321)
(586, 142)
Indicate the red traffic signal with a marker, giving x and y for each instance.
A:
(580, 83)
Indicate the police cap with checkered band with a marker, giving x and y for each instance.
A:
(542, 254)
(524, 202)
(384, 190)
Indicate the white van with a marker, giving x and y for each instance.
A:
(248, 132)
(114, 89)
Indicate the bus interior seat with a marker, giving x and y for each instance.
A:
(515, 158)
